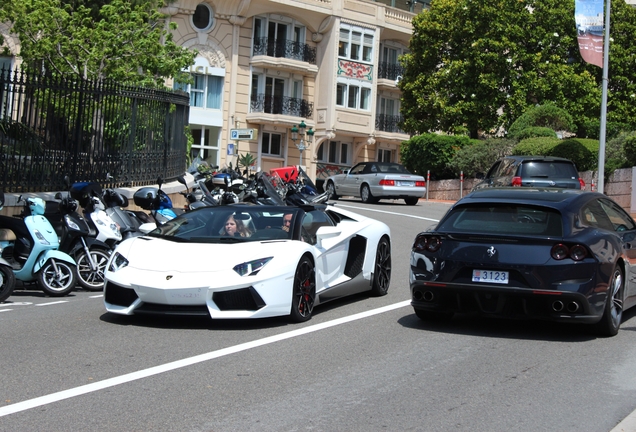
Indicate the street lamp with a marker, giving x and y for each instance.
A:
(304, 139)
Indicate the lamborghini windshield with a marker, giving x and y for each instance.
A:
(231, 224)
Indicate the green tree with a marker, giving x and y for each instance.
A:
(477, 66)
(480, 155)
(128, 43)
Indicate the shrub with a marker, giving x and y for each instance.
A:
(432, 152)
(547, 115)
(479, 156)
(536, 131)
(583, 152)
(539, 146)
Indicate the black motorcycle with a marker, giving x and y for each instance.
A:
(78, 239)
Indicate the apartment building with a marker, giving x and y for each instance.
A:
(266, 67)
(292, 82)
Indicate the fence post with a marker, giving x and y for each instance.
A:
(428, 182)
(461, 184)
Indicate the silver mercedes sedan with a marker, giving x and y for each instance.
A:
(372, 181)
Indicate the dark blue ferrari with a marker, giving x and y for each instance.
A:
(553, 254)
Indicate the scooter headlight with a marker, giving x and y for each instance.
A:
(40, 237)
(71, 223)
(118, 262)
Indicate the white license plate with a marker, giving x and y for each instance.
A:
(405, 183)
(490, 276)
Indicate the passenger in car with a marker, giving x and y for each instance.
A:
(235, 228)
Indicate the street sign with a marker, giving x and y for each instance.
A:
(242, 134)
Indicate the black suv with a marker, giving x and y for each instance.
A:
(532, 171)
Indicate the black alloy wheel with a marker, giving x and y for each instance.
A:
(613, 314)
(304, 291)
(382, 268)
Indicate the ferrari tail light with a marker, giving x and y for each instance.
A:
(427, 243)
(387, 182)
(576, 252)
(516, 181)
(420, 183)
(582, 183)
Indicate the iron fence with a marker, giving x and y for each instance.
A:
(114, 134)
(269, 104)
(284, 48)
(389, 123)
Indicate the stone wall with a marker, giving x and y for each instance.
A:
(619, 187)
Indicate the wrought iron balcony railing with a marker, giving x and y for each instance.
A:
(281, 105)
(390, 70)
(284, 48)
(388, 123)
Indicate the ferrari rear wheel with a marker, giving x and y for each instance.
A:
(304, 291)
(611, 320)
(366, 195)
(382, 269)
(331, 188)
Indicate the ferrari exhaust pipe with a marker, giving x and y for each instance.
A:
(557, 306)
(426, 296)
(429, 296)
(573, 307)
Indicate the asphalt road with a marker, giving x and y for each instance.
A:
(362, 363)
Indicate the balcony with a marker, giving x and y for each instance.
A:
(386, 125)
(388, 74)
(272, 109)
(285, 55)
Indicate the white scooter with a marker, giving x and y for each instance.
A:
(89, 196)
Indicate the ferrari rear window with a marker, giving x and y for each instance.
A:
(506, 219)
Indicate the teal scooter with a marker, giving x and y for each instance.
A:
(29, 244)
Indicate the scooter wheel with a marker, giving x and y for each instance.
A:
(57, 283)
(89, 279)
(7, 282)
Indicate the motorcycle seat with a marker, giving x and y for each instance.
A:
(7, 235)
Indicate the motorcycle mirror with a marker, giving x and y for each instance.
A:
(58, 196)
(159, 181)
(67, 182)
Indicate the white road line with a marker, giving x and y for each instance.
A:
(15, 304)
(387, 212)
(122, 379)
(52, 303)
(5, 310)
(97, 296)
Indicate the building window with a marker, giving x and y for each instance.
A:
(353, 95)
(356, 43)
(333, 152)
(384, 155)
(206, 91)
(271, 144)
(203, 17)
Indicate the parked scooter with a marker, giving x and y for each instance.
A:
(79, 241)
(7, 278)
(31, 248)
(156, 201)
(89, 196)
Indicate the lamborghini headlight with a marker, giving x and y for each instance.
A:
(251, 268)
(118, 262)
